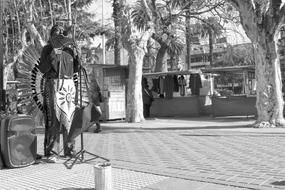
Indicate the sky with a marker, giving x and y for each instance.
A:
(97, 8)
(233, 37)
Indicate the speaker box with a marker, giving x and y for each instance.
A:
(18, 141)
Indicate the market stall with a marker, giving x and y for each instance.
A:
(237, 95)
(180, 93)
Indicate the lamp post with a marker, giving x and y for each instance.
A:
(103, 34)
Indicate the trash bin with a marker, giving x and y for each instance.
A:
(103, 176)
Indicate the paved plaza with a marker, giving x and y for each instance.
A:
(169, 154)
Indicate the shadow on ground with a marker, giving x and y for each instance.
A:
(278, 183)
(78, 189)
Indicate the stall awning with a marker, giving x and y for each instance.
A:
(188, 72)
(228, 69)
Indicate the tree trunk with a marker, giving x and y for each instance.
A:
(134, 96)
(39, 42)
(6, 54)
(136, 44)
(2, 98)
(211, 47)
(269, 84)
(117, 15)
(51, 11)
(188, 40)
(262, 27)
(161, 59)
(69, 13)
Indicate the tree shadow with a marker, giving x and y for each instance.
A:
(278, 183)
(72, 188)
(106, 127)
(233, 134)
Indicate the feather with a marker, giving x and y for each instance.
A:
(31, 80)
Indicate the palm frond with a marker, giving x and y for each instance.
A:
(110, 44)
(140, 16)
(175, 46)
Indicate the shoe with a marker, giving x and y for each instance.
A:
(38, 157)
(97, 130)
(69, 152)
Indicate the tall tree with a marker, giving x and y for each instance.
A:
(117, 15)
(165, 33)
(209, 28)
(262, 20)
(195, 10)
(1, 55)
(136, 44)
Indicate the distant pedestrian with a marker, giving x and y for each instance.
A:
(147, 98)
(96, 98)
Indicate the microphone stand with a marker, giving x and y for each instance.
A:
(80, 154)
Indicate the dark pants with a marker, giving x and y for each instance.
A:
(53, 127)
(146, 110)
(51, 123)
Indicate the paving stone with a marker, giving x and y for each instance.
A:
(81, 176)
(208, 151)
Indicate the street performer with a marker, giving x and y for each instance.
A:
(59, 62)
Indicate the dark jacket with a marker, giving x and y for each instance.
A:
(195, 84)
(49, 62)
(95, 92)
(147, 95)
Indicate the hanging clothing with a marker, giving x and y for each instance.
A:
(155, 86)
(168, 86)
(176, 85)
(182, 85)
(195, 84)
(207, 85)
(161, 87)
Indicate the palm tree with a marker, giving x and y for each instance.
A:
(164, 30)
(185, 5)
(117, 15)
(135, 42)
(194, 9)
(210, 28)
(1, 56)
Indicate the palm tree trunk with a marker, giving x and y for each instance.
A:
(6, 40)
(188, 39)
(117, 15)
(2, 99)
(13, 36)
(51, 11)
(211, 47)
(161, 64)
(69, 17)
(161, 59)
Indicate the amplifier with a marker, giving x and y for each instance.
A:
(18, 141)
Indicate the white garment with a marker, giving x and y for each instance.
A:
(207, 85)
(64, 101)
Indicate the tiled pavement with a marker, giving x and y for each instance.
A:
(174, 154)
(222, 155)
(47, 176)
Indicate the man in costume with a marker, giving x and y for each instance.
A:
(59, 63)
